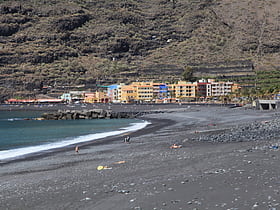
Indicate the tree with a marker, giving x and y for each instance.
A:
(188, 74)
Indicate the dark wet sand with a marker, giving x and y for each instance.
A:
(200, 175)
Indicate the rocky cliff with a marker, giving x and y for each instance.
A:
(84, 42)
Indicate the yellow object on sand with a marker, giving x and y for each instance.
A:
(103, 167)
(100, 168)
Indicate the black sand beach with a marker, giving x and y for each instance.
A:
(229, 159)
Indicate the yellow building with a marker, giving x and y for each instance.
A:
(137, 91)
(149, 91)
(144, 91)
(90, 98)
(184, 89)
(128, 94)
(96, 97)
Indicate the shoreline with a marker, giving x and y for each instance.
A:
(147, 174)
(153, 125)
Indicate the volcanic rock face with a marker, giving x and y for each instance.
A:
(77, 42)
(70, 23)
(8, 29)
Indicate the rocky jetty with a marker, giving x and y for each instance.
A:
(255, 131)
(87, 114)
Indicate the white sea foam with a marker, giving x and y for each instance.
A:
(15, 153)
(11, 119)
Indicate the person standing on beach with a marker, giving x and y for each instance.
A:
(77, 149)
(126, 139)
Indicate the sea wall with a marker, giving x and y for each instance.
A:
(87, 114)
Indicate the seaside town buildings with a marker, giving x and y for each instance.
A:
(150, 92)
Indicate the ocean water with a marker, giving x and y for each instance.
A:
(20, 137)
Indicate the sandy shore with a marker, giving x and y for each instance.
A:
(148, 174)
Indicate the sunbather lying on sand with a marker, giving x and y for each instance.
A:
(175, 146)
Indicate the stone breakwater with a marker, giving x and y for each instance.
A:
(256, 131)
(86, 114)
(91, 114)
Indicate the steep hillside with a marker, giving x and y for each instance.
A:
(87, 42)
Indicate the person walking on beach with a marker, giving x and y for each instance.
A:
(126, 139)
(77, 149)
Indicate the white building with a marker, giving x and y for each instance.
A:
(219, 88)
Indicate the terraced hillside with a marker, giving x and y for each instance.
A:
(87, 42)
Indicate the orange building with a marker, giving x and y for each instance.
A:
(96, 97)
(144, 92)
(185, 89)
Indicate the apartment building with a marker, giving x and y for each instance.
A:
(156, 92)
(219, 88)
(114, 93)
(144, 91)
(211, 88)
(202, 88)
(160, 90)
(90, 98)
(128, 93)
(184, 89)
(96, 97)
